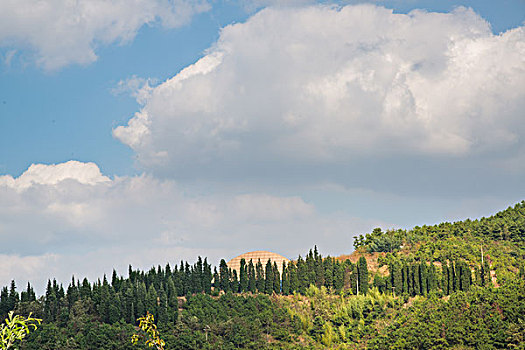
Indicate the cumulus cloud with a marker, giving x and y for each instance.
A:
(64, 219)
(322, 86)
(68, 32)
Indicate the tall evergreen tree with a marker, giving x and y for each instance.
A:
(234, 281)
(224, 276)
(276, 279)
(252, 282)
(243, 277)
(362, 268)
(259, 277)
(294, 281)
(207, 277)
(339, 276)
(406, 279)
(268, 282)
(423, 277)
(417, 279)
(286, 279)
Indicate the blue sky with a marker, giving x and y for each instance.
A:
(285, 128)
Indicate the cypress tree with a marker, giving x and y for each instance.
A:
(216, 279)
(259, 277)
(268, 282)
(13, 298)
(234, 281)
(224, 276)
(115, 281)
(362, 268)
(4, 309)
(339, 276)
(457, 282)
(406, 279)
(285, 279)
(353, 278)
(423, 277)
(294, 281)
(302, 275)
(72, 292)
(398, 278)
(465, 276)
(486, 273)
(413, 278)
(186, 286)
(445, 286)
(206, 277)
(276, 279)
(151, 300)
(140, 298)
(328, 263)
(432, 278)
(243, 277)
(451, 278)
(318, 269)
(252, 283)
(163, 315)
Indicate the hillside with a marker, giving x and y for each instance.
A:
(425, 288)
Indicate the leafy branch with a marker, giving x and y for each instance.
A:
(15, 328)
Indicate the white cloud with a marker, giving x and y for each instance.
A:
(138, 88)
(84, 173)
(326, 85)
(64, 219)
(68, 32)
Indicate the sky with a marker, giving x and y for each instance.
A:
(145, 132)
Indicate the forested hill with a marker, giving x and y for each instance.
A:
(452, 285)
(499, 238)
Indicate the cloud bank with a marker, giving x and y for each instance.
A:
(295, 90)
(68, 32)
(64, 219)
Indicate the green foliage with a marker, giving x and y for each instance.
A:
(15, 328)
(148, 332)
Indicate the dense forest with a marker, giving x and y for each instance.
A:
(456, 285)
